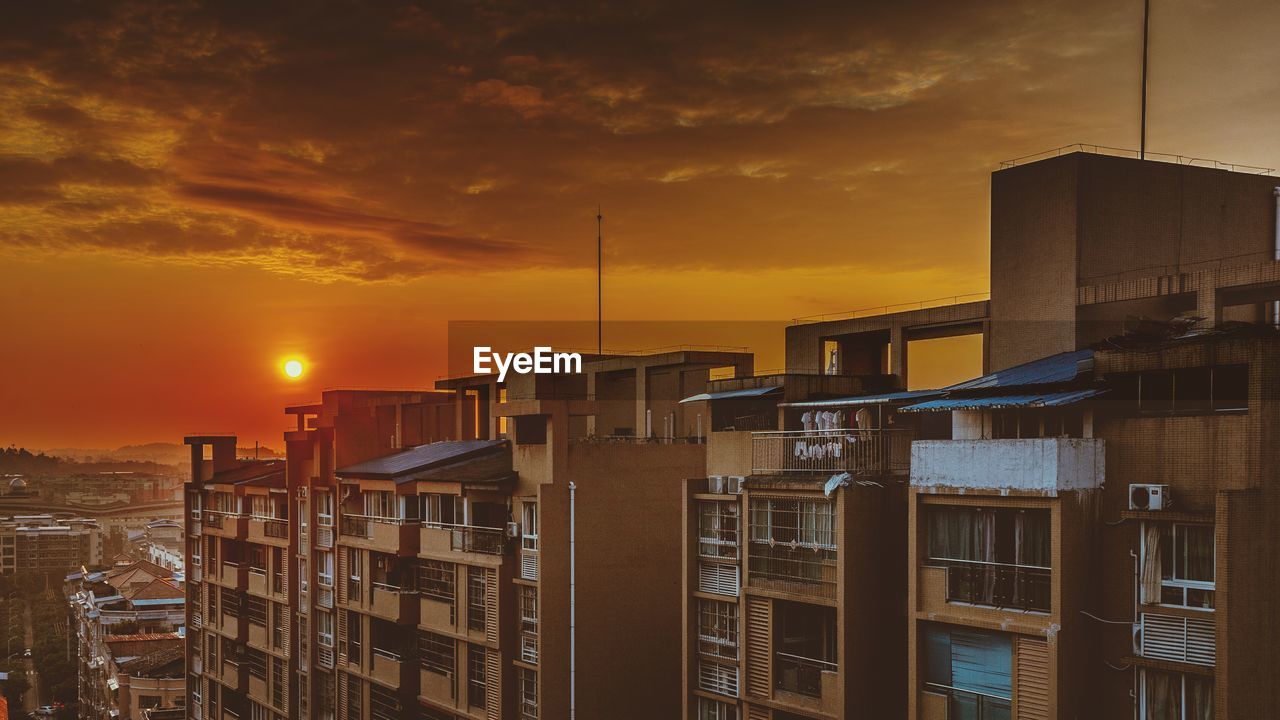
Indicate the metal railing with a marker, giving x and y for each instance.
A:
(858, 452)
(802, 570)
(275, 528)
(1128, 153)
(1003, 585)
(474, 538)
(890, 309)
(354, 526)
(802, 675)
(969, 704)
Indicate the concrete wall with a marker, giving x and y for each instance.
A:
(1049, 465)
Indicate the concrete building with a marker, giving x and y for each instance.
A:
(1033, 586)
(43, 544)
(129, 623)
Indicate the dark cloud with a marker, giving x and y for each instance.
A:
(392, 140)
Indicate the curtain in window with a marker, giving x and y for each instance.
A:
(984, 541)
(1149, 583)
(1031, 531)
(951, 534)
(982, 662)
(1199, 697)
(807, 522)
(760, 520)
(824, 524)
(1198, 564)
(1163, 696)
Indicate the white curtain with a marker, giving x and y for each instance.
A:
(1149, 582)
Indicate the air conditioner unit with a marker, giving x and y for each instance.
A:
(733, 485)
(513, 530)
(715, 484)
(1150, 497)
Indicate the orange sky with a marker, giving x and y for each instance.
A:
(190, 192)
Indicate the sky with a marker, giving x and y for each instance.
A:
(191, 192)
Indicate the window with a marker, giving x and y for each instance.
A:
(214, 591)
(255, 609)
(973, 668)
(148, 701)
(475, 675)
(718, 629)
(383, 704)
(439, 510)
(257, 662)
(529, 526)
(277, 625)
(477, 611)
(528, 609)
(380, 504)
(997, 557)
(1178, 565)
(716, 710)
(718, 529)
(277, 570)
(353, 574)
(354, 627)
(1174, 696)
(324, 568)
(324, 509)
(324, 628)
(355, 697)
(436, 580)
(213, 553)
(528, 682)
(436, 653)
(1190, 391)
(806, 523)
(230, 603)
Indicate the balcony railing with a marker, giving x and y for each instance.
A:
(801, 569)
(361, 526)
(1002, 585)
(969, 704)
(800, 674)
(859, 452)
(276, 528)
(474, 538)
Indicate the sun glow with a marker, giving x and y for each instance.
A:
(293, 368)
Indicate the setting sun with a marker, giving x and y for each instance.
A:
(293, 368)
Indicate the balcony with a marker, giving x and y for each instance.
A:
(798, 570)
(944, 701)
(440, 537)
(269, 531)
(1041, 465)
(385, 534)
(858, 452)
(388, 668)
(225, 524)
(258, 581)
(394, 603)
(441, 688)
(1000, 585)
(233, 575)
(805, 676)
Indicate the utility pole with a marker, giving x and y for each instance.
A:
(1146, 33)
(599, 281)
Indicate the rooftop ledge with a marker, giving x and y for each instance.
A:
(1040, 465)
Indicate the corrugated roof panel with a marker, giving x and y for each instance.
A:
(899, 396)
(998, 402)
(1063, 367)
(420, 458)
(746, 392)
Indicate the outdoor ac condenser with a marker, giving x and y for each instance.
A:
(1149, 497)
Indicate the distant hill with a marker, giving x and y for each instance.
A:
(158, 458)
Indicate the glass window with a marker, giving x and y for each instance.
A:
(436, 653)
(718, 524)
(718, 629)
(436, 580)
(528, 609)
(528, 680)
(529, 526)
(1182, 557)
(716, 710)
(973, 668)
(475, 675)
(1174, 696)
(477, 610)
(439, 510)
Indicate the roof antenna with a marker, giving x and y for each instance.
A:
(599, 282)
(1146, 26)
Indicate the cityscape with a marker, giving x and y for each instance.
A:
(474, 362)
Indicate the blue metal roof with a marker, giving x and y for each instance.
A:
(899, 396)
(420, 458)
(997, 402)
(746, 392)
(1063, 367)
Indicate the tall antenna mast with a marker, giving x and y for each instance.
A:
(1146, 32)
(599, 281)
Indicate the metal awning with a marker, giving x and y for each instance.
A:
(744, 393)
(900, 396)
(999, 402)
(1060, 368)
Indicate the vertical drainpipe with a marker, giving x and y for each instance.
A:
(1275, 305)
(573, 641)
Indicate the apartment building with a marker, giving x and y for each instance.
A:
(129, 623)
(1041, 578)
(43, 544)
